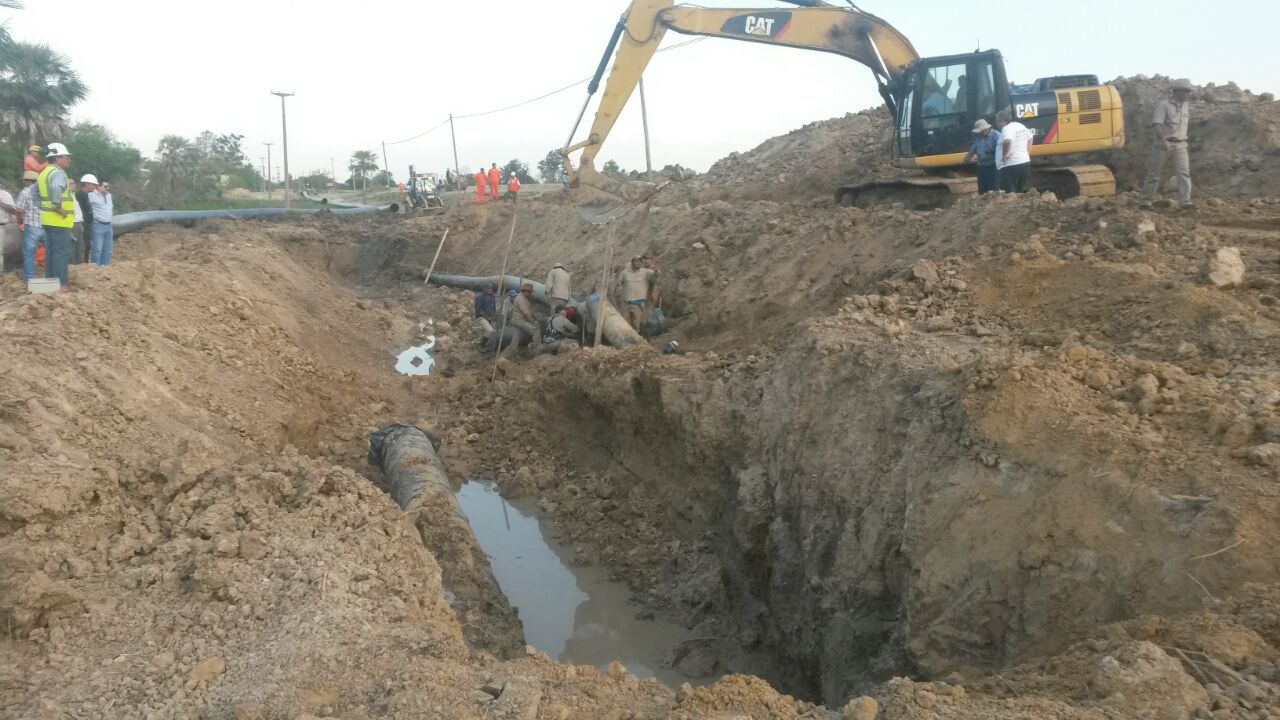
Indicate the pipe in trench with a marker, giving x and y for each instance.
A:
(415, 478)
(617, 331)
(11, 239)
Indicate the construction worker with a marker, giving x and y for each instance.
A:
(101, 231)
(983, 149)
(28, 202)
(495, 180)
(57, 212)
(1015, 146)
(1170, 122)
(558, 287)
(480, 187)
(636, 281)
(33, 162)
(524, 318)
(513, 187)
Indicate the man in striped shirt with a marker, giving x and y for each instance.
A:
(32, 231)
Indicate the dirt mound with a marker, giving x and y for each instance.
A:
(1235, 149)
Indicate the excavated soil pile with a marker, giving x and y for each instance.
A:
(1235, 149)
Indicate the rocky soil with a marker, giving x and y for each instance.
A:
(1017, 458)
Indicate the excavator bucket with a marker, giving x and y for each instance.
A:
(623, 195)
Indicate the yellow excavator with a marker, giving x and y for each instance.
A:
(934, 101)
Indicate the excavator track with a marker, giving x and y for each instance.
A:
(932, 193)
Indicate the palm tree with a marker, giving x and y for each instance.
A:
(176, 157)
(37, 89)
(6, 40)
(362, 163)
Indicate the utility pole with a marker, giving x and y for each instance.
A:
(457, 169)
(268, 168)
(644, 118)
(284, 124)
(384, 164)
(262, 172)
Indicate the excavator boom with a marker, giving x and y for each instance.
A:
(811, 26)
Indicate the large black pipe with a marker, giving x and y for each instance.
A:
(415, 478)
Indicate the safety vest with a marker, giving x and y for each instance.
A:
(514, 184)
(48, 217)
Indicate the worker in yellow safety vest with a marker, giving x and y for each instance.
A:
(57, 212)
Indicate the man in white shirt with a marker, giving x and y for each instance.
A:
(7, 208)
(1015, 149)
(1170, 122)
(101, 234)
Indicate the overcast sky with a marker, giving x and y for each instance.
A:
(378, 70)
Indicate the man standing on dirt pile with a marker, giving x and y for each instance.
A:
(558, 287)
(635, 282)
(101, 232)
(32, 232)
(57, 213)
(513, 187)
(1171, 120)
(480, 187)
(1015, 147)
(495, 180)
(986, 141)
(524, 318)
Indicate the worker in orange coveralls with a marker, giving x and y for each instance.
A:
(495, 182)
(480, 186)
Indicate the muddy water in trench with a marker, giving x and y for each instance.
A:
(575, 615)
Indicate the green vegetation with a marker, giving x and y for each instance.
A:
(520, 168)
(551, 167)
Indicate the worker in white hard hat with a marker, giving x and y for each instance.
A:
(101, 232)
(57, 213)
(88, 183)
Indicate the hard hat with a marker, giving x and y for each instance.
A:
(57, 150)
(31, 175)
(34, 148)
(89, 178)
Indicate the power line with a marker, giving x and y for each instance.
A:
(425, 132)
(570, 86)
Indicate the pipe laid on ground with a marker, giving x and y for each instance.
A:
(617, 331)
(415, 478)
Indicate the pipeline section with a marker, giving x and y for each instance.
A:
(617, 331)
(415, 478)
(11, 237)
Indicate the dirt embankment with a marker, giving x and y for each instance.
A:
(926, 443)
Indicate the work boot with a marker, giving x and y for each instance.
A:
(1189, 207)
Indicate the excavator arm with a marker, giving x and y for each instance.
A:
(814, 25)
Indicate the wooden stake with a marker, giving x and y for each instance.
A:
(502, 279)
(437, 257)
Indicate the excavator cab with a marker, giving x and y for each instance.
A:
(938, 101)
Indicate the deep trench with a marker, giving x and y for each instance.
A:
(759, 506)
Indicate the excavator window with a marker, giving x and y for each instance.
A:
(953, 93)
